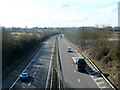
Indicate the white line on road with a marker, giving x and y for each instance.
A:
(93, 79)
(92, 76)
(104, 87)
(75, 71)
(76, 66)
(34, 72)
(50, 65)
(78, 80)
(100, 82)
(29, 84)
(26, 68)
(98, 78)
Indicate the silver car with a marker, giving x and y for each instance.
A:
(24, 76)
(69, 49)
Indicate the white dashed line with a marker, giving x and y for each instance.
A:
(98, 78)
(92, 76)
(76, 66)
(29, 84)
(100, 82)
(78, 80)
(104, 87)
(34, 72)
(75, 71)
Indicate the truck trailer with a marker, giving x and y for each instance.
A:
(81, 64)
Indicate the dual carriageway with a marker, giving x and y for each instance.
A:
(38, 65)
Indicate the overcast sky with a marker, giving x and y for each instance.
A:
(58, 13)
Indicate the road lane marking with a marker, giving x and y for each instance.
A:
(78, 80)
(50, 65)
(34, 72)
(92, 76)
(26, 68)
(93, 79)
(75, 71)
(29, 84)
(98, 79)
(100, 82)
(76, 66)
(104, 87)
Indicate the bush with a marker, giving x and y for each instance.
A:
(94, 41)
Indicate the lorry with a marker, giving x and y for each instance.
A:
(80, 62)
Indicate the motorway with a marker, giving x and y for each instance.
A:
(74, 79)
(37, 68)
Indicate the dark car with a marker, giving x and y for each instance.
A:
(24, 76)
(81, 64)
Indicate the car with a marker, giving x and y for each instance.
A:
(69, 49)
(24, 76)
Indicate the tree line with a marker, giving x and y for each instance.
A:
(95, 42)
(15, 47)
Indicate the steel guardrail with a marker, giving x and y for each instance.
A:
(60, 76)
(50, 70)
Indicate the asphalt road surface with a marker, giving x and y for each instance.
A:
(37, 68)
(73, 78)
(39, 64)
